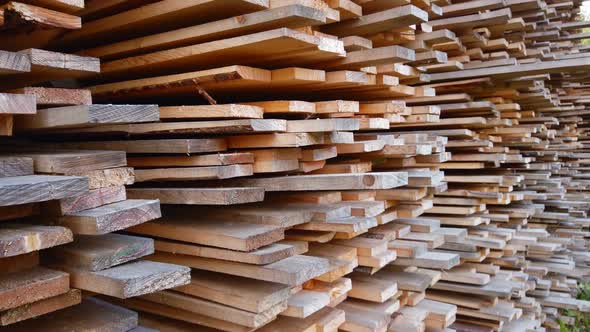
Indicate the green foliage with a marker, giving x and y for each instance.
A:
(582, 323)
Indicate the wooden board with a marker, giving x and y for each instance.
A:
(112, 217)
(28, 286)
(215, 310)
(182, 146)
(17, 104)
(39, 188)
(32, 310)
(292, 271)
(292, 16)
(15, 166)
(96, 253)
(87, 115)
(240, 236)
(72, 162)
(199, 196)
(130, 280)
(328, 182)
(261, 256)
(17, 239)
(11, 63)
(92, 314)
(57, 96)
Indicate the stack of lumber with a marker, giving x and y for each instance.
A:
(66, 203)
(353, 165)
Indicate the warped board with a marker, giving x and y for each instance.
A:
(199, 196)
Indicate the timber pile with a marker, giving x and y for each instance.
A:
(67, 203)
(354, 165)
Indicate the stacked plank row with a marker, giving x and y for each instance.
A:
(361, 165)
(72, 204)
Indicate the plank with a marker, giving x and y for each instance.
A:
(218, 159)
(48, 65)
(87, 115)
(13, 62)
(73, 162)
(66, 6)
(216, 233)
(131, 279)
(293, 271)
(182, 146)
(112, 217)
(199, 196)
(15, 166)
(268, 44)
(261, 256)
(514, 71)
(28, 286)
(193, 173)
(17, 104)
(304, 303)
(32, 310)
(57, 96)
(106, 178)
(215, 310)
(200, 127)
(157, 17)
(41, 16)
(328, 182)
(17, 239)
(211, 111)
(293, 16)
(39, 188)
(235, 291)
(96, 253)
(198, 321)
(92, 314)
(377, 22)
